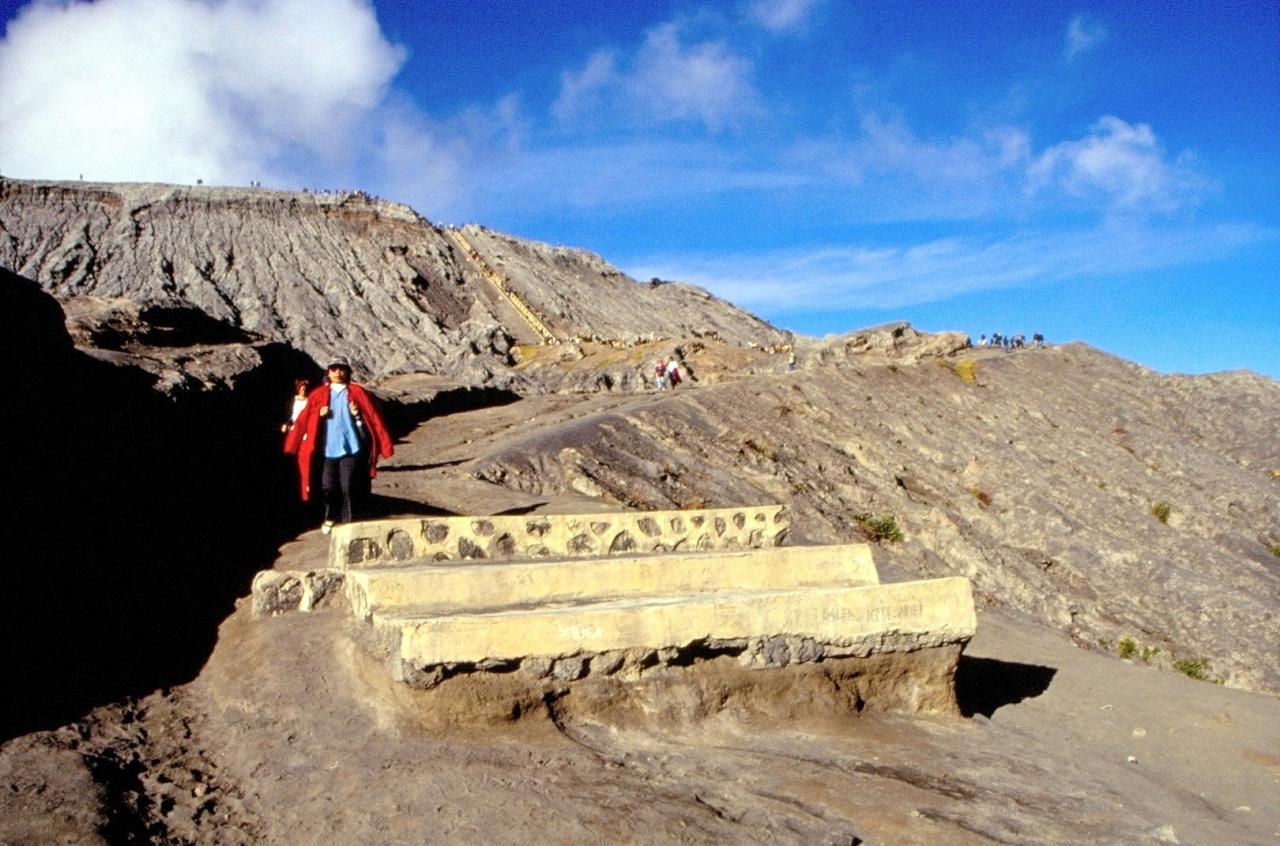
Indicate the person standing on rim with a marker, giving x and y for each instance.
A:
(342, 422)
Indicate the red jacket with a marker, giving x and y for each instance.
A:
(304, 436)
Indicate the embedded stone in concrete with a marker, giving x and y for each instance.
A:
(845, 621)
(279, 591)
(390, 542)
(474, 586)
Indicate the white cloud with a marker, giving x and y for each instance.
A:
(175, 90)
(706, 81)
(889, 145)
(781, 15)
(791, 282)
(664, 80)
(1083, 35)
(895, 174)
(1120, 162)
(426, 163)
(580, 92)
(625, 176)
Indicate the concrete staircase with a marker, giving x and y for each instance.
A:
(503, 287)
(556, 599)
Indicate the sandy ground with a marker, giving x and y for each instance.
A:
(295, 734)
(1108, 752)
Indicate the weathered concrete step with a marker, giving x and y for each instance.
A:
(833, 621)
(391, 542)
(497, 584)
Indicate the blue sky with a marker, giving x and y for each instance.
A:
(1107, 172)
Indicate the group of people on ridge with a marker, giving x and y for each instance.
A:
(1009, 342)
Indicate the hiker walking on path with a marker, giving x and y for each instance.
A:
(301, 387)
(340, 420)
(660, 374)
(673, 372)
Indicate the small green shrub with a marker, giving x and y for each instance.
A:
(1126, 647)
(880, 528)
(1274, 549)
(1197, 668)
(1161, 511)
(1149, 652)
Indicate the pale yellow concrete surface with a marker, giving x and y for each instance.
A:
(475, 586)
(391, 542)
(925, 613)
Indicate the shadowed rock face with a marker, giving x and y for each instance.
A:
(132, 523)
(148, 485)
(335, 274)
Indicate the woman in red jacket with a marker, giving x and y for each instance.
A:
(342, 421)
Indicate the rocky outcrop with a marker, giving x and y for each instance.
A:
(334, 274)
(580, 295)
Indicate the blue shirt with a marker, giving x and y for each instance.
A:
(340, 435)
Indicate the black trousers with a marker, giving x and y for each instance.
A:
(341, 487)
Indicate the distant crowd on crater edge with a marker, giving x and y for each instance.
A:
(1009, 342)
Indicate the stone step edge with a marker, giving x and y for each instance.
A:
(625, 603)
(844, 565)
(900, 611)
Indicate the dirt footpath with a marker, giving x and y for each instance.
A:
(294, 734)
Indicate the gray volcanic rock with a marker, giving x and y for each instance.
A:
(577, 293)
(332, 274)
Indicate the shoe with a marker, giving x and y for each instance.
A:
(327, 527)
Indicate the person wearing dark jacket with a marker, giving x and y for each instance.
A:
(342, 421)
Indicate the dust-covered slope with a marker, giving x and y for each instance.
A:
(1084, 491)
(336, 273)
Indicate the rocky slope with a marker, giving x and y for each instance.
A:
(337, 273)
(1071, 486)
(1137, 514)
